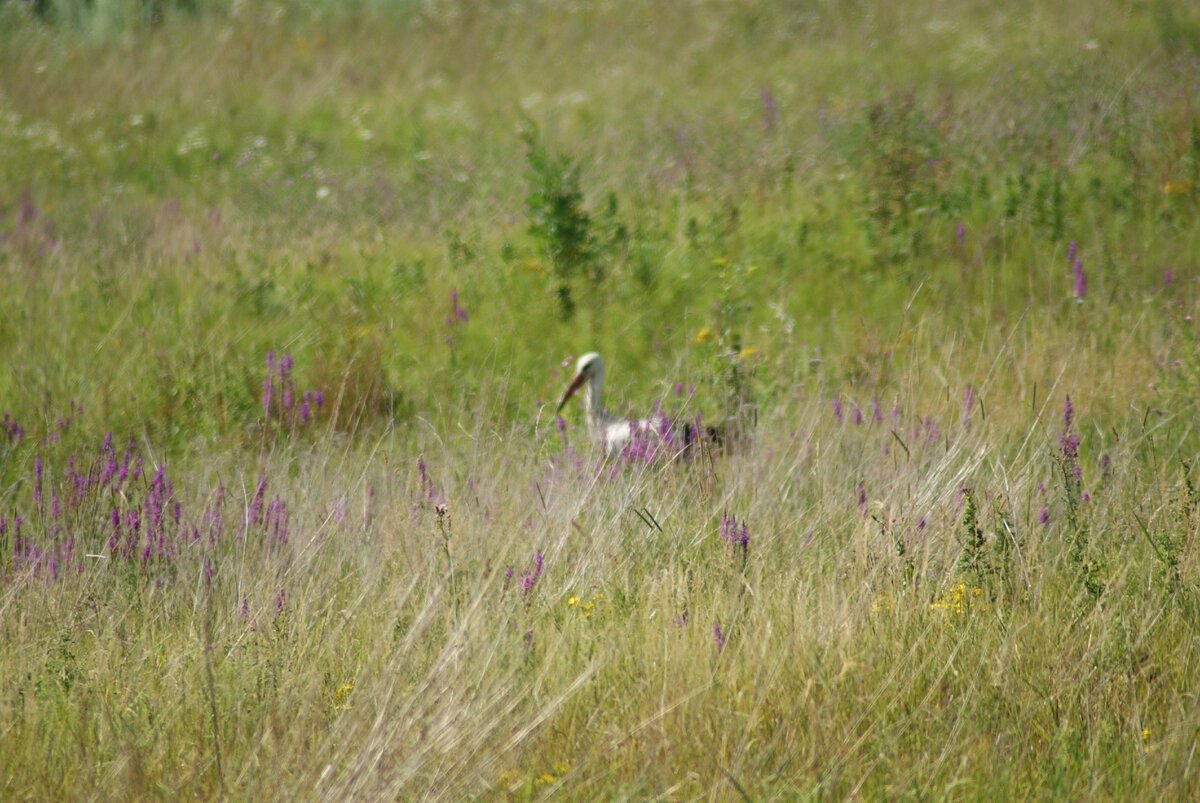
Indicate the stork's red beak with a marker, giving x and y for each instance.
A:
(575, 385)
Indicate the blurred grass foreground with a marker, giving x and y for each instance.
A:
(288, 293)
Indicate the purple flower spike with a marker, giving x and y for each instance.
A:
(457, 313)
(1043, 515)
(528, 580)
(37, 479)
(1080, 280)
(718, 636)
(268, 386)
(836, 403)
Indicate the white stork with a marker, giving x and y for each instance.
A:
(608, 431)
(645, 437)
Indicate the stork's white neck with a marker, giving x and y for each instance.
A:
(597, 416)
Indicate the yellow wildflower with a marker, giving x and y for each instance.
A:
(341, 696)
(703, 336)
(572, 601)
(956, 599)
(546, 777)
(508, 779)
(747, 353)
(1177, 187)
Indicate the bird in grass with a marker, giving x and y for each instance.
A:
(613, 433)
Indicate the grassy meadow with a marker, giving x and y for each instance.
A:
(289, 293)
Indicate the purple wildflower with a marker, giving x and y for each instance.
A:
(1068, 441)
(731, 532)
(12, 430)
(860, 491)
(968, 402)
(528, 580)
(837, 408)
(1168, 277)
(876, 411)
(1043, 515)
(1080, 280)
(268, 385)
(856, 415)
(37, 479)
(460, 314)
(717, 636)
(254, 513)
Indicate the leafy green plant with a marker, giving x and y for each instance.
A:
(558, 221)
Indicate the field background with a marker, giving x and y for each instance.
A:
(288, 292)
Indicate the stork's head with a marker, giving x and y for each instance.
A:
(589, 370)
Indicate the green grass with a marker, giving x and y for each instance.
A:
(789, 209)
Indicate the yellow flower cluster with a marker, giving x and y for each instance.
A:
(957, 599)
(511, 779)
(341, 696)
(585, 607)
